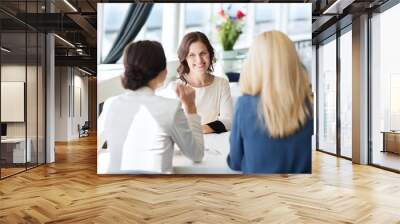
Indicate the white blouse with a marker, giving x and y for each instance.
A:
(213, 102)
(141, 128)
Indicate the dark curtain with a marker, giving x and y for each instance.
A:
(135, 19)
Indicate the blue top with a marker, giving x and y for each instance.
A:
(253, 150)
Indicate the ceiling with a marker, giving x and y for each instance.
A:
(74, 22)
(332, 15)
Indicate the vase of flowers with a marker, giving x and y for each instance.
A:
(230, 28)
(228, 32)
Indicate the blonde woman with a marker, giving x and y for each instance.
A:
(272, 124)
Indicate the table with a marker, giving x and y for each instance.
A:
(391, 141)
(214, 161)
(15, 148)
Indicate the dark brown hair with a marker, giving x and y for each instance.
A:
(183, 51)
(143, 61)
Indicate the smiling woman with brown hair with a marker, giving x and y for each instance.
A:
(213, 96)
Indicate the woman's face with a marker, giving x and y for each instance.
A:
(198, 58)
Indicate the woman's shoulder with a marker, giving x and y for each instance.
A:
(248, 98)
(162, 100)
(219, 83)
(167, 101)
(111, 103)
(247, 101)
(113, 99)
(220, 80)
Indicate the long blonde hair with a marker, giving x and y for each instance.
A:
(274, 72)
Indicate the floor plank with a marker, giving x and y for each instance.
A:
(70, 191)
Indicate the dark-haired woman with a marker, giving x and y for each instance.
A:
(140, 127)
(213, 96)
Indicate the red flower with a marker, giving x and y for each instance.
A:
(239, 14)
(221, 12)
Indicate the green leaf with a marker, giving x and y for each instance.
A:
(229, 33)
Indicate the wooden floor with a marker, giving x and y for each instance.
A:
(70, 191)
(387, 159)
(10, 171)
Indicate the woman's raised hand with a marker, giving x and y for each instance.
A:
(187, 96)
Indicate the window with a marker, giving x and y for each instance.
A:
(196, 17)
(153, 25)
(265, 17)
(304, 49)
(346, 94)
(114, 15)
(169, 28)
(327, 97)
(299, 22)
(394, 101)
(385, 89)
(22, 87)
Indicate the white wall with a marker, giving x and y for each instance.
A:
(80, 103)
(12, 73)
(33, 125)
(61, 103)
(12, 101)
(71, 94)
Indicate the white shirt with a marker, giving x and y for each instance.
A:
(141, 128)
(213, 102)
